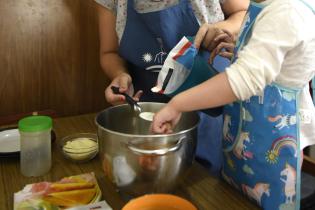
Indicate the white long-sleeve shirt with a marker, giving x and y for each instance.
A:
(281, 50)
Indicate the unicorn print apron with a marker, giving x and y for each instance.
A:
(261, 140)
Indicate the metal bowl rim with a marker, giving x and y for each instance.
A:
(141, 135)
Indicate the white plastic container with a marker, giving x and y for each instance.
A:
(35, 157)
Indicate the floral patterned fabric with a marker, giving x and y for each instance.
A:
(206, 11)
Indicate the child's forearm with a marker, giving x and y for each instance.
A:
(212, 93)
(232, 23)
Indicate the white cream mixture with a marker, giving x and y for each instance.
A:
(147, 115)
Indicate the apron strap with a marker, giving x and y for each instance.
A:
(313, 90)
(309, 6)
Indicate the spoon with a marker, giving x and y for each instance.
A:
(134, 105)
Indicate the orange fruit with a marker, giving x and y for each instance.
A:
(159, 202)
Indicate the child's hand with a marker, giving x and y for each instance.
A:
(165, 120)
(206, 35)
(225, 41)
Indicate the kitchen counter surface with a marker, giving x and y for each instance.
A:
(203, 190)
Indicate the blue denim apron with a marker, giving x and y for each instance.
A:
(261, 141)
(146, 41)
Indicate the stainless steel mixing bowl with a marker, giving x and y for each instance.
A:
(140, 162)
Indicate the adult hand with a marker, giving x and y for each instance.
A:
(206, 35)
(165, 120)
(225, 41)
(124, 82)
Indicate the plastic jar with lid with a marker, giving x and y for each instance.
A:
(35, 137)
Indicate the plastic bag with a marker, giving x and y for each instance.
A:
(186, 67)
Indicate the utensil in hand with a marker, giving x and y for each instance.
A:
(134, 105)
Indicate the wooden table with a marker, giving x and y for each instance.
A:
(205, 191)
